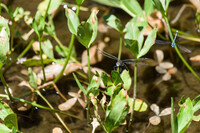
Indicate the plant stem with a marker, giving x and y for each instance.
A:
(4, 82)
(69, 54)
(38, 105)
(88, 58)
(134, 93)
(62, 47)
(46, 12)
(20, 56)
(62, 122)
(120, 46)
(178, 52)
(67, 60)
(42, 58)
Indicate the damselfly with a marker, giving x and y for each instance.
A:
(121, 64)
(173, 44)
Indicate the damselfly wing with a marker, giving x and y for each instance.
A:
(122, 63)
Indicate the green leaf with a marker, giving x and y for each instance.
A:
(35, 62)
(113, 3)
(32, 78)
(160, 7)
(114, 22)
(50, 29)
(3, 23)
(132, 45)
(79, 2)
(38, 24)
(133, 33)
(42, 7)
(11, 121)
(116, 78)
(196, 104)
(126, 78)
(48, 48)
(4, 129)
(4, 44)
(148, 43)
(93, 87)
(79, 85)
(94, 23)
(116, 112)
(184, 116)
(132, 7)
(72, 21)
(5, 110)
(174, 124)
(196, 118)
(106, 80)
(84, 34)
(140, 105)
(148, 7)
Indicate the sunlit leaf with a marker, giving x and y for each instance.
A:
(32, 78)
(139, 105)
(11, 121)
(84, 34)
(184, 116)
(117, 111)
(42, 7)
(79, 2)
(48, 48)
(5, 110)
(114, 22)
(126, 78)
(35, 62)
(72, 21)
(4, 129)
(132, 45)
(148, 7)
(148, 43)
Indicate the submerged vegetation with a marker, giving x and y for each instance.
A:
(110, 99)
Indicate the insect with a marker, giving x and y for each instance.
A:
(173, 44)
(122, 63)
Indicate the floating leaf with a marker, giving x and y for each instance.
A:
(166, 111)
(155, 109)
(154, 120)
(67, 105)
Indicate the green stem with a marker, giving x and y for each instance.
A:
(134, 93)
(120, 46)
(11, 40)
(59, 118)
(69, 54)
(20, 56)
(62, 47)
(4, 83)
(42, 58)
(88, 57)
(46, 12)
(178, 52)
(38, 105)
(67, 60)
